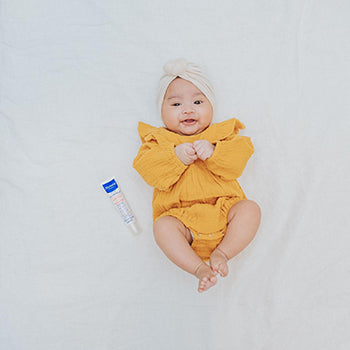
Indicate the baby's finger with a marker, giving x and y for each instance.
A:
(194, 157)
(198, 147)
(190, 150)
(198, 150)
(201, 154)
(204, 156)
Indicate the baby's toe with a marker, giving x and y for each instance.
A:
(223, 270)
(213, 280)
(214, 267)
(203, 281)
(206, 278)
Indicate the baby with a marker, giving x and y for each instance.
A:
(200, 213)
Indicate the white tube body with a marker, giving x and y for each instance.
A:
(114, 192)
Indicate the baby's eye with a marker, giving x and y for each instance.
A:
(198, 102)
(176, 104)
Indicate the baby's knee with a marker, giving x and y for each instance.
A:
(254, 209)
(159, 225)
(245, 207)
(162, 225)
(169, 225)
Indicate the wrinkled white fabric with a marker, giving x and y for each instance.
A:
(76, 77)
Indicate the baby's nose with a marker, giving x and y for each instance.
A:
(187, 109)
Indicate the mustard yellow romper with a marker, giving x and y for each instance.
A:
(201, 194)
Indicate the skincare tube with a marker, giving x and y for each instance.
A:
(116, 195)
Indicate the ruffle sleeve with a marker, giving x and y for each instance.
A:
(146, 130)
(224, 130)
(232, 151)
(156, 160)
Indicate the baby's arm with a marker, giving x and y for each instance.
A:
(230, 157)
(159, 165)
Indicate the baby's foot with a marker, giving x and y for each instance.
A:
(218, 262)
(206, 277)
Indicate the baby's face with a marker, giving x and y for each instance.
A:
(185, 109)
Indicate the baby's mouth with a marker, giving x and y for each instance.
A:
(189, 121)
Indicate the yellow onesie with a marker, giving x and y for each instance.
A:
(201, 194)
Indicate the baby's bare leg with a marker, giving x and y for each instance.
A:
(174, 239)
(243, 222)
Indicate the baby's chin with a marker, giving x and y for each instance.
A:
(191, 130)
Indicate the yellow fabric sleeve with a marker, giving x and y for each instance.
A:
(156, 160)
(230, 157)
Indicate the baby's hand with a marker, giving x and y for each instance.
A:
(204, 149)
(186, 153)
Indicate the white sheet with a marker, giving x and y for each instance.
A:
(77, 76)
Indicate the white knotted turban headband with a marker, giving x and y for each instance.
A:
(188, 71)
